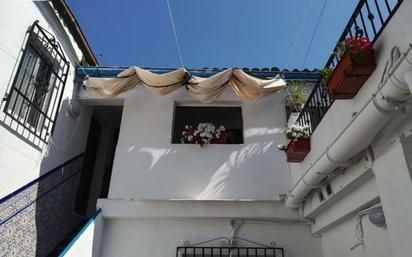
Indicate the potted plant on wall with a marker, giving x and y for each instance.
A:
(299, 144)
(355, 66)
(325, 74)
(295, 100)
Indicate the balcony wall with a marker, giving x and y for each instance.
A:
(159, 237)
(148, 166)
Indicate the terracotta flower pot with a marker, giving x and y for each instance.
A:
(298, 149)
(348, 77)
(221, 140)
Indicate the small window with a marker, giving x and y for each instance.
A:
(225, 124)
(35, 93)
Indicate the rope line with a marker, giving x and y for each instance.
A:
(314, 33)
(235, 32)
(302, 23)
(292, 50)
(174, 33)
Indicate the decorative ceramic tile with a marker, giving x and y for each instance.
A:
(34, 221)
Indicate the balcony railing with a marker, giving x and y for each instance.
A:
(369, 19)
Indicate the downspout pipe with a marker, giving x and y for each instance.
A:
(394, 91)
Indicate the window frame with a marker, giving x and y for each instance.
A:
(235, 104)
(33, 105)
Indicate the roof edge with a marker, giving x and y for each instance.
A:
(74, 28)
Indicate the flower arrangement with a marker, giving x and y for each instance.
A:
(356, 64)
(294, 132)
(203, 134)
(359, 48)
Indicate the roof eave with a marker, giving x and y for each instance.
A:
(74, 28)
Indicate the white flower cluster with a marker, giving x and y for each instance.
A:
(297, 131)
(282, 147)
(294, 132)
(208, 131)
(203, 134)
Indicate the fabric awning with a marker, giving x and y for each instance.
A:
(205, 90)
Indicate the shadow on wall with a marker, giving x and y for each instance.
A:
(218, 183)
(55, 218)
(237, 159)
(228, 171)
(38, 218)
(20, 132)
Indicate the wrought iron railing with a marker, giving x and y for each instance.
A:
(369, 19)
(235, 246)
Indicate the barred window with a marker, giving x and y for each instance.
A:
(35, 94)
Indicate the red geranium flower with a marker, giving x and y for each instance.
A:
(358, 48)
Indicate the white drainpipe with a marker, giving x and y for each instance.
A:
(358, 134)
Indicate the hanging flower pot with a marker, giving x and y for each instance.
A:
(222, 139)
(297, 149)
(299, 144)
(355, 66)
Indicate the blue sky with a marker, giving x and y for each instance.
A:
(212, 33)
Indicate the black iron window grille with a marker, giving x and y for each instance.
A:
(369, 19)
(35, 95)
(229, 247)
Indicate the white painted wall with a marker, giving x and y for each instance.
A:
(397, 33)
(89, 241)
(390, 182)
(337, 242)
(148, 166)
(393, 176)
(21, 161)
(160, 237)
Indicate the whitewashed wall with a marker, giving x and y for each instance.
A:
(160, 237)
(397, 33)
(148, 166)
(87, 243)
(21, 161)
(339, 241)
(389, 180)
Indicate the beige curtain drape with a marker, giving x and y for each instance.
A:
(205, 90)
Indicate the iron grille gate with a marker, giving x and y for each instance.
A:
(229, 248)
(34, 98)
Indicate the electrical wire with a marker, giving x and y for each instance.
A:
(314, 33)
(74, 130)
(174, 33)
(359, 233)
